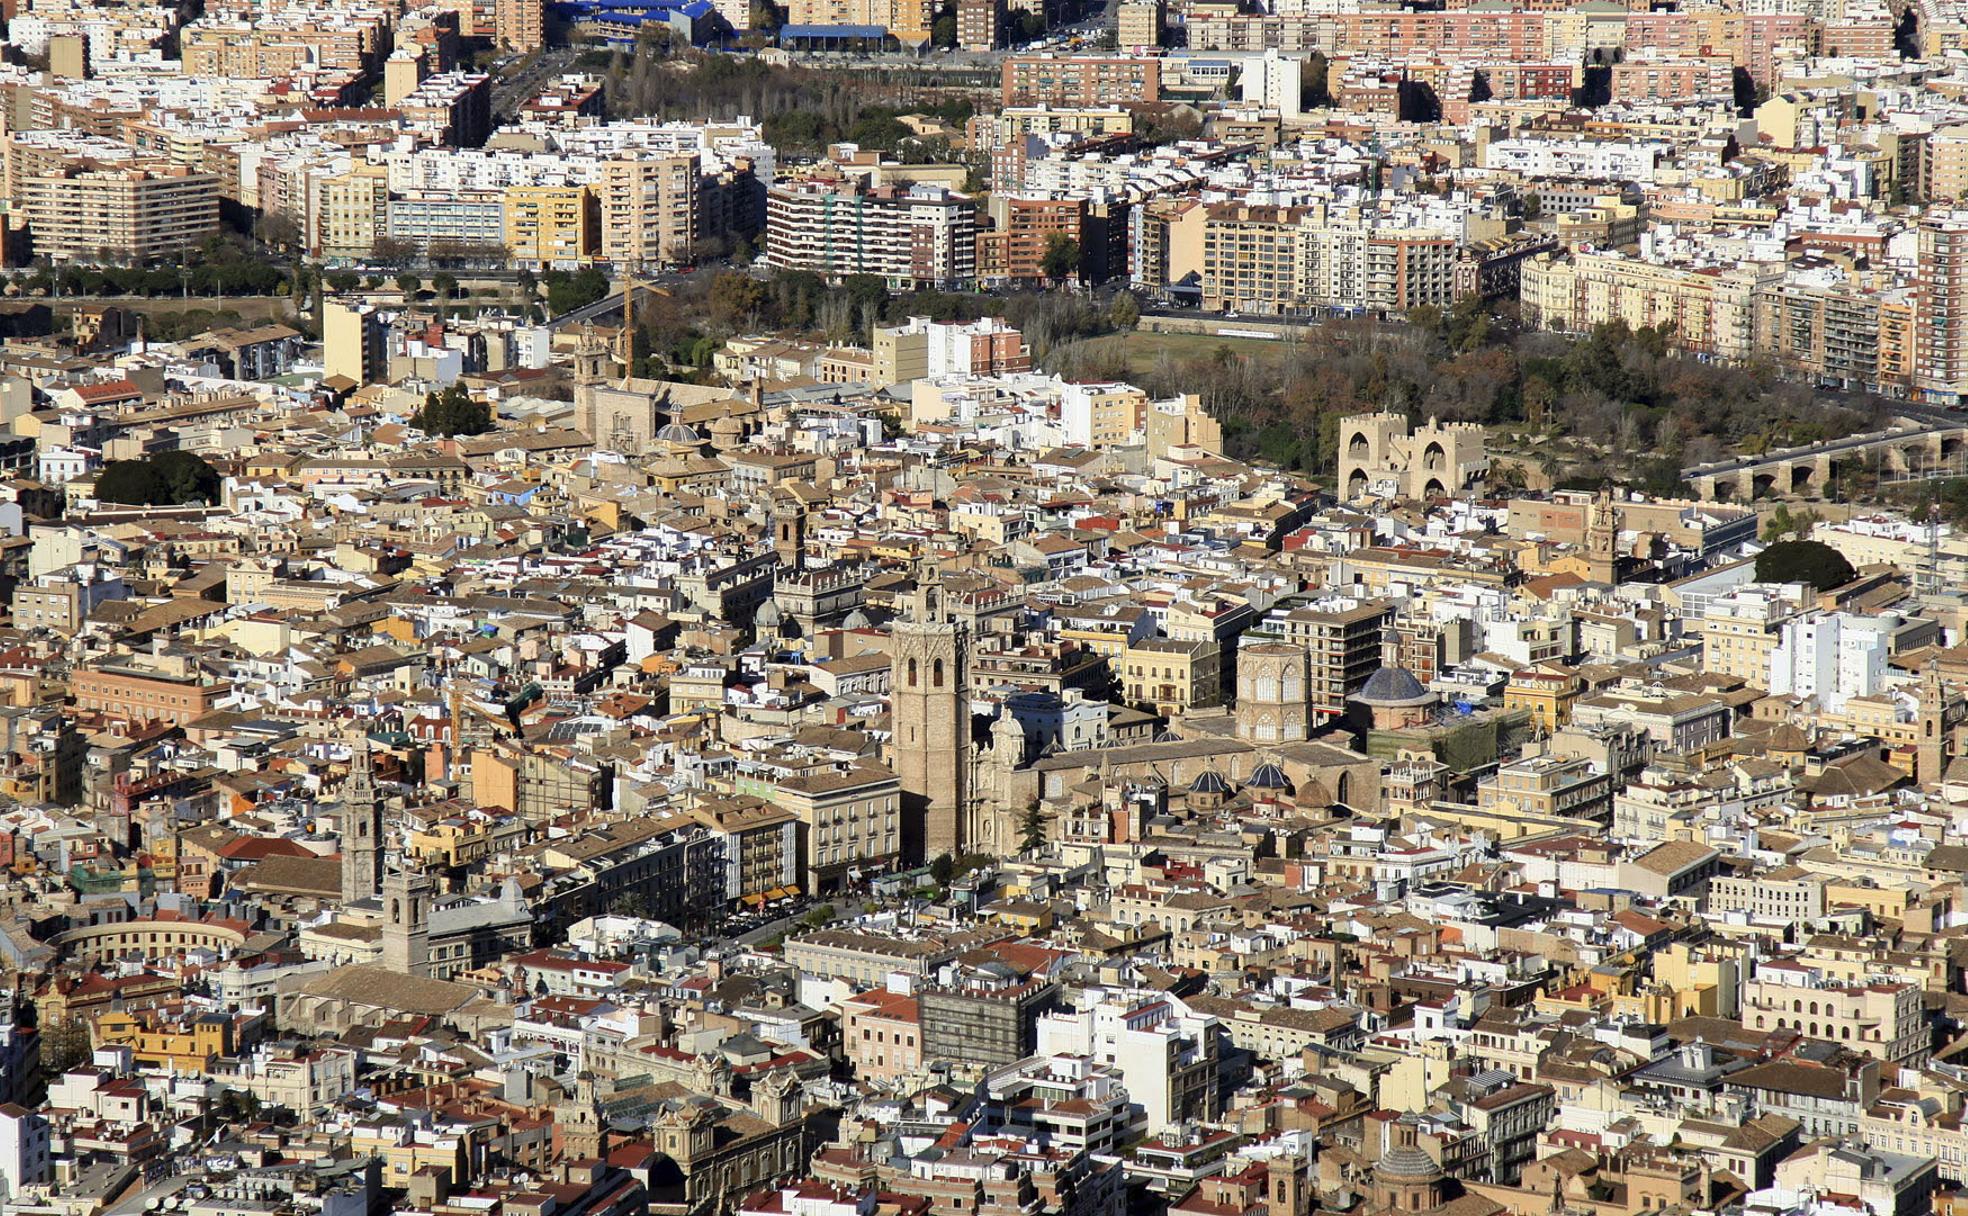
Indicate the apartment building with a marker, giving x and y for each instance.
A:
(551, 227)
(980, 24)
(973, 1017)
(132, 214)
(520, 25)
(1828, 334)
(353, 342)
(907, 21)
(423, 219)
(650, 210)
(1675, 721)
(1881, 1020)
(1023, 230)
(1740, 632)
(1345, 638)
(761, 850)
(455, 108)
(1102, 415)
(1940, 353)
(1251, 258)
(354, 213)
(273, 45)
(1171, 676)
(1139, 24)
(881, 1035)
(172, 696)
(1789, 894)
(1706, 310)
(921, 347)
(1549, 785)
(1068, 1103)
(1273, 259)
(1652, 79)
(852, 820)
(912, 237)
(1166, 1055)
(1080, 80)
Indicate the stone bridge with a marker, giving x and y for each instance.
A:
(1917, 452)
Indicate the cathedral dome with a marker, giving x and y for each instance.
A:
(1268, 776)
(1406, 1164)
(1393, 686)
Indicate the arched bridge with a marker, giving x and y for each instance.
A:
(1917, 452)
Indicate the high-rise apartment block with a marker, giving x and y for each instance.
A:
(128, 213)
(917, 236)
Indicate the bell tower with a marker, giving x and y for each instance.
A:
(362, 829)
(1602, 538)
(591, 359)
(930, 675)
(788, 531)
(1935, 746)
(406, 923)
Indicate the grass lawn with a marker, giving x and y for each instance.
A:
(1141, 350)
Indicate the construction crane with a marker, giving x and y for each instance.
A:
(625, 350)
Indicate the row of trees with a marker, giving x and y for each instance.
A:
(222, 265)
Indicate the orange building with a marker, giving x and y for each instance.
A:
(145, 696)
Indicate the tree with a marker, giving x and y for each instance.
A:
(1125, 312)
(453, 412)
(64, 1045)
(445, 284)
(279, 230)
(735, 298)
(409, 284)
(1803, 561)
(1314, 84)
(1032, 829)
(944, 31)
(943, 869)
(343, 280)
(567, 292)
(388, 251)
(1782, 523)
(1062, 257)
(167, 479)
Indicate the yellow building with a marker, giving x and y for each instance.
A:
(1740, 632)
(1547, 692)
(1172, 676)
(182, 1046)
(354, 212)
(459, 842)
(650, 209)
(352, 342)
(551, 227)
(907, 20)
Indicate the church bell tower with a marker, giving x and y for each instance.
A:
(929, 673)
